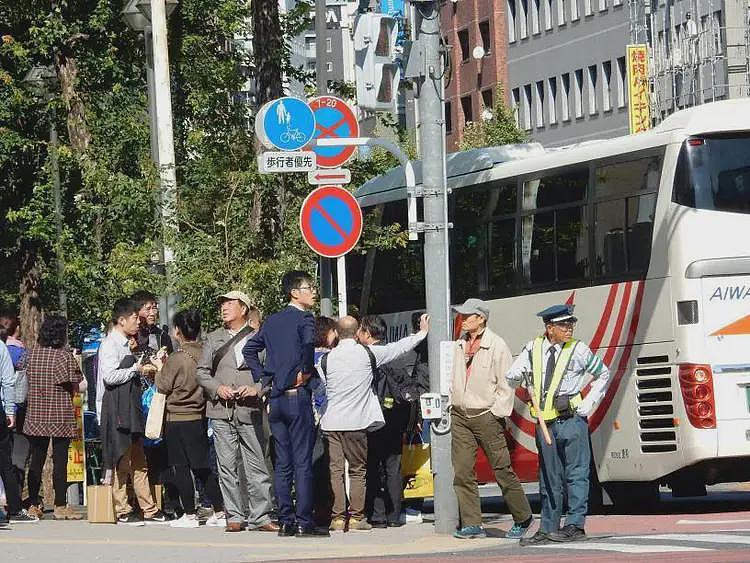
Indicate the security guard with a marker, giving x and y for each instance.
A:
(558, 365)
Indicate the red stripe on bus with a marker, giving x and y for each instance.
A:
(597, 417)
(604, 321)
(614, 341)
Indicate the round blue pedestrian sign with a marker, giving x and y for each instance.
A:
(287, 124)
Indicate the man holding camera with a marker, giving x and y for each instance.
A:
(236, 413)
(560, 367)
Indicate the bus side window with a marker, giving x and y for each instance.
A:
(625, 202)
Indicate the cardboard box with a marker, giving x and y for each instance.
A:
(101, 506)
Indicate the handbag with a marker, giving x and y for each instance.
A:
(416, 470)
(21, 387)
(155, 418)
(101, 509)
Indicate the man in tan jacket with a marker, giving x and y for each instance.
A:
(480, 400)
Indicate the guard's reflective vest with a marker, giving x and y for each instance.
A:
(549, 412)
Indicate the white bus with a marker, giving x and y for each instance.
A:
(649, 236)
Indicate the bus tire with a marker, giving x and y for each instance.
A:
(633, 495)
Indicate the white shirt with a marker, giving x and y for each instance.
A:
(352, 404)
(112, 350)
(582, 362)
(238, 357)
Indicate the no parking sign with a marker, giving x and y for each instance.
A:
(331, 221)
(333, 119)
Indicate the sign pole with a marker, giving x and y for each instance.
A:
(341, 282)
(437, 287)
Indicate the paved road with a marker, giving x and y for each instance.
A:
(713, 528)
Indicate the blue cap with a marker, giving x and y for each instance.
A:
(557, 314)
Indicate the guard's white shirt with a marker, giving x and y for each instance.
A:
(583, 363)
(352, 404)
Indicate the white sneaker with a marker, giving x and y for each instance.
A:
(217, 520)
(185, 521)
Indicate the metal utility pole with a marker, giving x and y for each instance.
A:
(166, 160)
(326, 282)
(437, 287)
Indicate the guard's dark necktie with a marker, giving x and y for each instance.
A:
(549, 373)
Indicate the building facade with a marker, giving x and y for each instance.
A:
(567, 68)
(477, 31)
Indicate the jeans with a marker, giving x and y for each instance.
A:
(564, 465)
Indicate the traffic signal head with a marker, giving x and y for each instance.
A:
(377, 72)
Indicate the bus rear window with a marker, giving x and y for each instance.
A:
(713, 172)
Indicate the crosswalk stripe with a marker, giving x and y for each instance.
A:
(713, 521)
(622, 547)
(710, 538)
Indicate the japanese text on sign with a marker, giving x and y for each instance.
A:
(638, 88)
(76, 456)
(272, 162)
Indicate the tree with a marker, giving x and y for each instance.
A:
(500, 129)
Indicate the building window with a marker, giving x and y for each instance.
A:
(535, 16)
(466, 108)
(565, 98)
(621, 82)
(552, 99)
(539, 104)
(484, 32)
(329, 67)
(487, 98)
(526, 109)
(547, 15)
(463, 41)
(329, 47)
(573, 10)
(591, 83)
(560, 12)
(578, 93)
(607, 85)
(511, 21)
(448, 117)
(516, 103)
(602, 5)
(523, 16)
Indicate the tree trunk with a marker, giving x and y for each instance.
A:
(31, 306)
(268, 49)
(67, 76)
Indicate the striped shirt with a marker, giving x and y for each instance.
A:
(584, 364)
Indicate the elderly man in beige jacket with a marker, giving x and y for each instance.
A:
(480, 400)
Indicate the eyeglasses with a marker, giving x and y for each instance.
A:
(311, 288)
(566, 325)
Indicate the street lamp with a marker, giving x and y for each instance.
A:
(40, 80)
(149, 17)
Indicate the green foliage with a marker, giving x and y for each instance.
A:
(501, 129)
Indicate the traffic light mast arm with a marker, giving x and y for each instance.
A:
(403, 158)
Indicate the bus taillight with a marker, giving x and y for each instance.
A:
(696, 384)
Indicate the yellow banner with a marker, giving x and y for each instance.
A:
(638, 90)
(76, 452)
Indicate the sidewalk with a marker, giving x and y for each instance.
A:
(81, 541)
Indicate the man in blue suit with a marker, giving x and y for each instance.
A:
(289, 342)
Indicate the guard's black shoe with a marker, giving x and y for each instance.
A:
(287, 530)
(312, 532)
(379, 524)
(540, 538)
(568, 533)
(395, 524)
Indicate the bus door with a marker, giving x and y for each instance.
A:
(726, 325)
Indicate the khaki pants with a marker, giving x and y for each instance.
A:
(487, 431)
(133, 464)
(348, 446)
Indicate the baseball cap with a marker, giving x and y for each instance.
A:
(238, 296)
(473, 306)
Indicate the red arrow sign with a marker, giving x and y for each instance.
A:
(339, 176)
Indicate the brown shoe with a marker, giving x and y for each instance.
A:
(66, 512)
(37, 511)
(270, 527)
(235, 527)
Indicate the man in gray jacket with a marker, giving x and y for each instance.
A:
(236, 413)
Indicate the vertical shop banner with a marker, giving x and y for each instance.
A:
(76, 452)
(638, 88)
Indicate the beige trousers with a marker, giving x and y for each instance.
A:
(133, 465)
